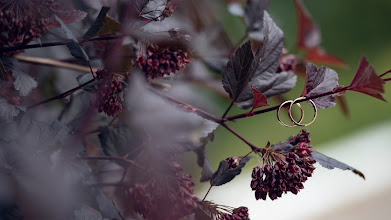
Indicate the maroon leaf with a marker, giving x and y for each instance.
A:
(320, 56)
(366, 81)
(308, 35)
(341, 101)
(318, 81)
(68, 17)
(260, 99)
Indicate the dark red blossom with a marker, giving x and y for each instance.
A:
(287, 63)
(240, 213)
(160, 61)
(284, 169)
(23, 20)
(166, 197)
(109, 88)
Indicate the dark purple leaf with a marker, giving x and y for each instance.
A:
(224, 174)
(318, 81)
(237, 74)
(331, 163)
(260, 99)
(238, 77)
(367, 81)
(102, 25)
(253, 17)
(74, 47)
(308, 34)
(265, 64)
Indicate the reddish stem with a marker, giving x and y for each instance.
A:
(245, 115)
(207, 193)
(226, 111)
(253, 147)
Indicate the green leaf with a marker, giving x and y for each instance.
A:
(102, 25)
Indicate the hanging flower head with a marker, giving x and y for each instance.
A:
(21, 21)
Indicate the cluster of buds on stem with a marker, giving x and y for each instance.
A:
(166, 197)
(159, 60)
(284, 168)
(22, 21)
(108, 89)
(240, 213)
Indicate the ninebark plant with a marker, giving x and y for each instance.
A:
(111, 150)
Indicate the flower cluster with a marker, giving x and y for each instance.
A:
(240, 213)
(108, 88)
(286, 171)
(21, 21)
(160, 61)
(169, 197)
(287, 63)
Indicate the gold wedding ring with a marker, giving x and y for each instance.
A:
(290, 106)
(299, 123)
(296, 123)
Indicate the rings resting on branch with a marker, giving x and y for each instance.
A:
(291, 103)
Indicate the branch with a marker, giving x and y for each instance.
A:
(61, 96)
(205, 115)
(52, 44)
(245, 115)
(197, 111)
(253, 147)
(52, 62)
(229, 108)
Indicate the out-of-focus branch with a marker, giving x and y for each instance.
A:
(56, 63)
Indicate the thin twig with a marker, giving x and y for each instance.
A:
(61, 96)
(207, 193)
(197, 111)
(226, 111)
(52, 62)
(388, 71)
(52, 44)
(253, 147)
(245, 115)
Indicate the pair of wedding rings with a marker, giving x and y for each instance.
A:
(291, 103)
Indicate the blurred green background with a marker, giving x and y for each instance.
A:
(350, 29)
